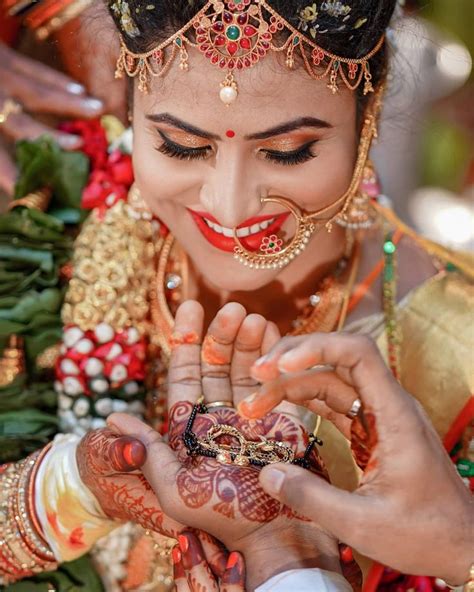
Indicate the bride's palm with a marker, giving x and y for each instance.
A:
(223, 499)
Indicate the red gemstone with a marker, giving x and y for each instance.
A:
(209, 54)
(220, 40)
(267, 36)
(201, 39)
(214, 58)
(273, 29)
(242, 19)
(265, 44)
(250, 31)
(218, 27)
(261, 51)
(232, 48)
(201, 31)
(223, 63)
(239, 65)
(247, 63)
(228, 17)
(255, 57)
(205, 47)
(245, 43)
(231, 64)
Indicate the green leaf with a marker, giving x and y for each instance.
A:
(42, 163)
(31, 304)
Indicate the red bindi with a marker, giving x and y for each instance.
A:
(230, 133)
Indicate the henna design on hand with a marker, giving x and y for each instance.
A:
(232, 490)
(103, 460)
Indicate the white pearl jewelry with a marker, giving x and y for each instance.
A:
(228, 95)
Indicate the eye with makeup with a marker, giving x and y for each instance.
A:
(173, 149)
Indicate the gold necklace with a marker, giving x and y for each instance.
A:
(327, 310)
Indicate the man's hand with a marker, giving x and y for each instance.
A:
(411, 510)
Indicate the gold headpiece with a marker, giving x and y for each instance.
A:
(236, 34)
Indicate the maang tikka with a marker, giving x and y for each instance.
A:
(237, 34)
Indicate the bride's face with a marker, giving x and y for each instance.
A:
(203, 167)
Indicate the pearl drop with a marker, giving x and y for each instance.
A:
(228, 95)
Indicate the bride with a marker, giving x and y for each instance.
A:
(254, 195)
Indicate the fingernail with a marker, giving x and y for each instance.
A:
(232, 561)
(234, 573)
(183, 543)
(272, 480)
(244, 411)
(193, 555)
(176, 555)
(75, 88)
(94, 104)
(261, 361)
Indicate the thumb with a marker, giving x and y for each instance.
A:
(161, 466)
(104, 453)
(332, 508)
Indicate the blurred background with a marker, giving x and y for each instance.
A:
(426, 151)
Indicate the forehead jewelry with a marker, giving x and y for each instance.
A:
(230, 133)
(237, 34)
(274, 252)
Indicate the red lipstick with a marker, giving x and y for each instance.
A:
(228, 244)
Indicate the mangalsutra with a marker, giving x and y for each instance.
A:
(241, 452)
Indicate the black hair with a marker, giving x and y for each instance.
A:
(349, 28)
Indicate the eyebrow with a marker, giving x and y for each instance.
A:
(290, 126)
(278, 130)
(182, 125)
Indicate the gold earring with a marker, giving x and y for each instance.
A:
(359, 213)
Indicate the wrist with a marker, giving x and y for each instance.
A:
(269, 552)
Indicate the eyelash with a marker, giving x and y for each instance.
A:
(173, 150)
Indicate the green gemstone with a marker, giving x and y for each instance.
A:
(271, 245)
(465, 468)
(451, 267)
(178, 42)
(233, 33)
(389, 247)
(296, 40)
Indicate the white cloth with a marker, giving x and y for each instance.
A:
(306, 580)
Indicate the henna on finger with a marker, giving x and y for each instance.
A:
(233, 579)
(215, 552)
(103, 459)
(200, 577)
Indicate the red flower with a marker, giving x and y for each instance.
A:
(95, 145)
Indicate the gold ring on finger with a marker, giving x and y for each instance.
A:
(9, 107)
(218, 404)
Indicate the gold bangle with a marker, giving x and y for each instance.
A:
(217, 404)
(9, 107)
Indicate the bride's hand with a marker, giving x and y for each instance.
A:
(109, 466)
(411, 510)
(225, 500)
(194, 573)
